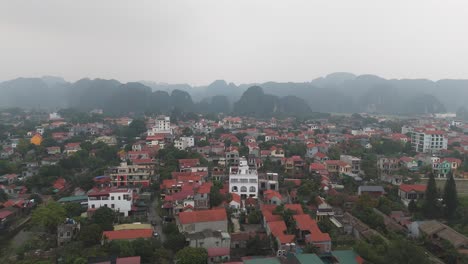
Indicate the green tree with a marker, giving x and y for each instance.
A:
(334, 153)
(3, 195)
(49, 216)
(187, 131)
(73, 209)
(254, 217)
(450, 197)
(175, 242)
(216, 198)
(190, 255)
(104, 217)
(90, 234)
(144, 249)
(121, 248)
(412, 206)
(430, 206)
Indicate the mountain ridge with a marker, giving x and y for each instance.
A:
(336, 92)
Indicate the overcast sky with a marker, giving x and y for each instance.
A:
(198, 41)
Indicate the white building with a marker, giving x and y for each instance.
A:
(243, 180)
(184, 142)
(428, 141)
(162, 125)
(119, 200)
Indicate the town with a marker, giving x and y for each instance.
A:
(79, 187)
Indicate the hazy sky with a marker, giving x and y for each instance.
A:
(198, 41)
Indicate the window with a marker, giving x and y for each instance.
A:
(105, 205)
(112, 198)
(234, 189)
(118, 197)
(61, 234)
(243, 189)
(68, 233)
(92, 206)
(112, 205)
(252, 189)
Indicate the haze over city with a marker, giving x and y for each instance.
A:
(197, 42)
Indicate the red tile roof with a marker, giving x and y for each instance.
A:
(218, 252)
(413, 187)
(278, 230)
(305, 222)
(213, 215)
(317, 166)
(269, 194)
(128, 234)
(184, 163)
(5, 214)
(129, 260)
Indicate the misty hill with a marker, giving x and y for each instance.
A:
(255, 102)
(336, 92)
(33, 93)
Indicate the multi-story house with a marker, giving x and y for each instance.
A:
(72, 148)
(354, 162)
(119, 200)
(131, 175)
(184, 142)
(294, 164)
(232, 157)
(269, 181)
(388, 165)
(162, 125)
(428, 141)
(66, 231)
(312, 149)
(243, 180)
(338, 166)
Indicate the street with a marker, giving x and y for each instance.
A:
(153, 216)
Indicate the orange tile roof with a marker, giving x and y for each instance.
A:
(128, 234)
(305, 222)
(213, 215)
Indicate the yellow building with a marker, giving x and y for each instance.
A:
(36, 140)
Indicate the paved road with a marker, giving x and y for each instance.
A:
(153, 215)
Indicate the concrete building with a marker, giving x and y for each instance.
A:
(209, 238)
(119, 200)
(184, 142)
(162, 125)
(243, 180)
(67, 231)
(429, 141)
(130, 175)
